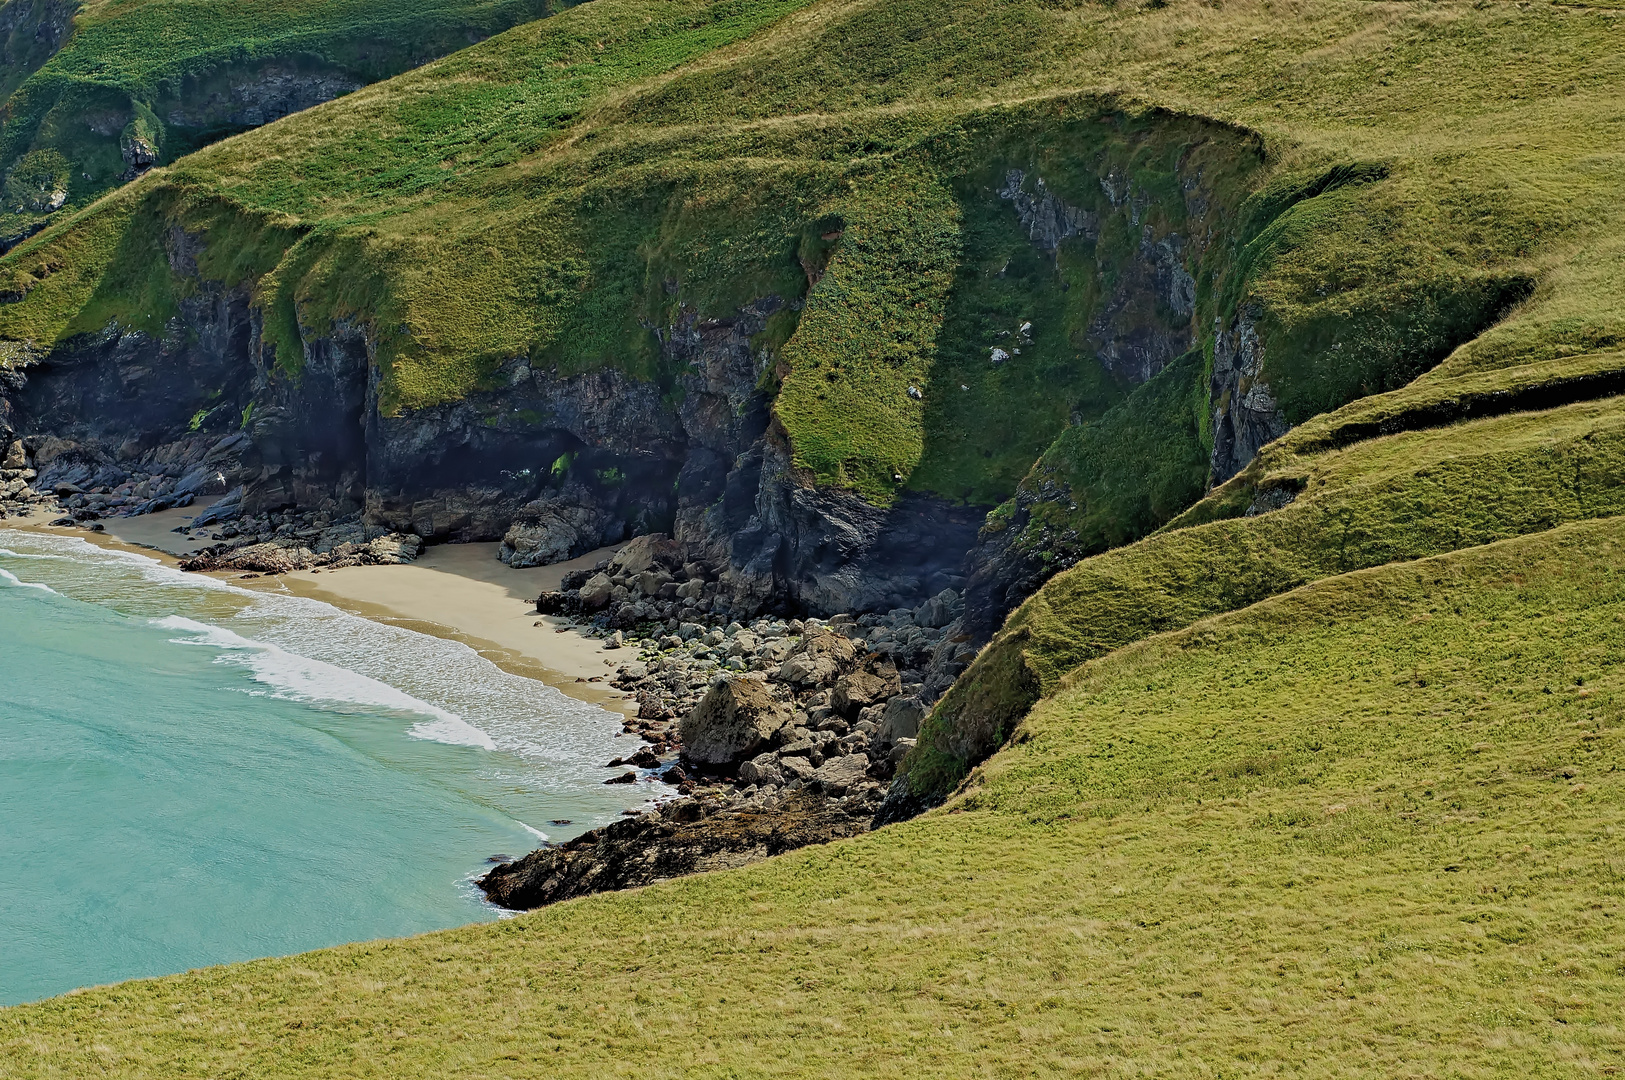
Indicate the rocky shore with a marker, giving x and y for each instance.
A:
(53, 473)
(777, 732)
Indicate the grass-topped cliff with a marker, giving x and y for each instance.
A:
(1315, 771)
(558, 191)
(93, 91)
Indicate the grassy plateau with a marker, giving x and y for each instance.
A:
(1313, 773)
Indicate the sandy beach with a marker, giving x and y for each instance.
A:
(454, 591)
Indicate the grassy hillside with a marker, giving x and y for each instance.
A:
(1383, 500)
(1368, 828)
(1361, 182)
(170, 75)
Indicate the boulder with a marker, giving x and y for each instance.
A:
(596, 592)
(734, 721)
(650, 582)
(395, 548)
(940, 610)
(797, 768)
(861, 689)
(646, 551)
(820, 659)
(840, 774)
(15, 457)
(762, 769)
(901, 720)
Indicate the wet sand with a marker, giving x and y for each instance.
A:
(454, 591)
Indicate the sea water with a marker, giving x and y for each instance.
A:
(192, 773)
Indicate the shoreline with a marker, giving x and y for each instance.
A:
(457, 592)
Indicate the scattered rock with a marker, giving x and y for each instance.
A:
(735, 719)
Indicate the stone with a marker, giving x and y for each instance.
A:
(797, 768)
(762, 769)
(734, 720)
(901, 720)
(395, 548)
(624, 778)
(15, 456)
(818, 661)
(743, 644)
(596, 592)
(553, 535)
(900, 750)
(862, 689)
(839, 774)
(938, 611)
(645, 551)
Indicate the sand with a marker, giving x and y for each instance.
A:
(454, 591)
(461, 592)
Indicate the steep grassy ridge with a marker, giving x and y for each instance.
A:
(1368, 828)
(555, 192)
(1384, 500)
(147, 80)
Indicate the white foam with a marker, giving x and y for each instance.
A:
(300, 678)
(9, 578)
(462, 697)
(9, 554)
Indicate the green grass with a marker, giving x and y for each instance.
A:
(1368, 828)
(1281, 792)
(128, 65)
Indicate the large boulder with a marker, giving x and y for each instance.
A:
(940, 610)
(596, 592)
(901, 720)
(861, 689)
(820, 659)
(840, 774)
(734, 721)
(644, 552)
(550, 531)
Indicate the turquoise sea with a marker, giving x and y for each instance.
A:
(192, 773)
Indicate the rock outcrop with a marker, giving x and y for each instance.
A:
(1245, 415)
(776, 734)
(683, 838)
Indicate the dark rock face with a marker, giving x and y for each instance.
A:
(1245, 415)
(250, 95)
(689, 838)
(1143, 323)
(554, 464)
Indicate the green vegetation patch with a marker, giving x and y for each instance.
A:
(854, 401)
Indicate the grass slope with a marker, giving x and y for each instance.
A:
(1385, 500)
(127, 68)
(1367, 828)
